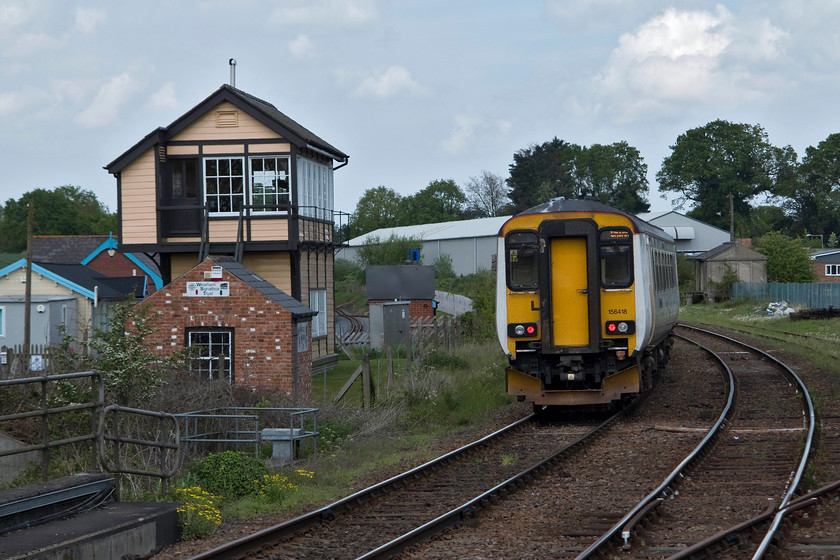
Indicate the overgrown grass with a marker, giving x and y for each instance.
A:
(815, 340)
(444, 394)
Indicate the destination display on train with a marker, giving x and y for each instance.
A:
(615, 234)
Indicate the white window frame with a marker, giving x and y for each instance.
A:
(318, 302)
(2, 321)
(315, 196)
(288, 179)
(832, 270)
(217, 195)
(219, 334)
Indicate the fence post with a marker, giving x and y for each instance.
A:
(389, 365)
(367, 382)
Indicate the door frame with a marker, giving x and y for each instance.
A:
(574, 227)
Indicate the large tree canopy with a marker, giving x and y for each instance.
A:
(66, 210)
(441, 201)
(813, 202)
(615, 174)
(712, 162)
(379, 207)
(541, 172)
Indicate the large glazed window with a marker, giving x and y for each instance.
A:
(615, 247)
(522, 252)
(269, 183)
(224, 184)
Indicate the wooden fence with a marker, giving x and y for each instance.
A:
(13, 364)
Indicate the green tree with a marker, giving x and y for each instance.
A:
(615, 174)
(132, 371)
(441, 201)
(390, 251)
(66, 210)
(813, 202)
(787, 259)
(712, 162)
(379, 207)
(541, 172)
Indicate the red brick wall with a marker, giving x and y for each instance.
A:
(819, 270)
(118, 266)
(262, 331)
(417, 308)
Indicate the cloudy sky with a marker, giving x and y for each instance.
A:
(413, 91)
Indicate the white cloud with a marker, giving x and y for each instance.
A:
(389, 83)
(88, 19)
(690, 56)
(11, 103)
(164, 98)
(461, 134)
(110, 97)
(300, 46)
(325, 12)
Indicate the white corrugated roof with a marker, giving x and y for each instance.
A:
(479, 227)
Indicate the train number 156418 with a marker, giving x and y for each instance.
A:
(617, 311)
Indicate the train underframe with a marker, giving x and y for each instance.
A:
(585, 379)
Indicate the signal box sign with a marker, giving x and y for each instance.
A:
(208, 289)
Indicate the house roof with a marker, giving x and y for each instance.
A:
(263, 111)
(266, 288)
(106, 287)
(479, 227)
(84, 280)
(81, 249)
(741, 253)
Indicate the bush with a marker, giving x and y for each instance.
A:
(200, 514)
(230, 473)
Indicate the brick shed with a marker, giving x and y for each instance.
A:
(244, 328)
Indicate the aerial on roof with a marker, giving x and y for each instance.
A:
(263, 111)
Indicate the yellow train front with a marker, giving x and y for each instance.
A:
(586, 299)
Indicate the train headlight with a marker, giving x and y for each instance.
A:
(621, 327)
(521, 330)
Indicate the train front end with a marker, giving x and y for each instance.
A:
(571, 314)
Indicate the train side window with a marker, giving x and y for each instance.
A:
(616, 255)
(522, 260)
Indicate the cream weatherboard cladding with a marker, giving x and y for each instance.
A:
(290, 245)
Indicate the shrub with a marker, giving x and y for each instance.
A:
(200, 514)
(230, 473)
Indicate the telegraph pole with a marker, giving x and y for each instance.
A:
(27, 298)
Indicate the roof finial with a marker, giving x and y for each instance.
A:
(232, 63)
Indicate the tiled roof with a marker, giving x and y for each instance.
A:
(66, 249)
(266, 288)
(107, 288)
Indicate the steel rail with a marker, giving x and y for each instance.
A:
(468, 509)
(269, 535)
(624, 524)
(803, 462)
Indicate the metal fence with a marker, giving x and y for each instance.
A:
(242, 427)
(812, 296)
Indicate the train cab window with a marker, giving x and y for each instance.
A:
(615, 248)
(522, 258)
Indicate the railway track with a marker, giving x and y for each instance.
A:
(439, 493)
(755, 467)
(729, 479)
(619, 493)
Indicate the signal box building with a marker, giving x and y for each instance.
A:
(236, 177)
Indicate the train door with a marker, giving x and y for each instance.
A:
(569, 292)
(569, 287)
